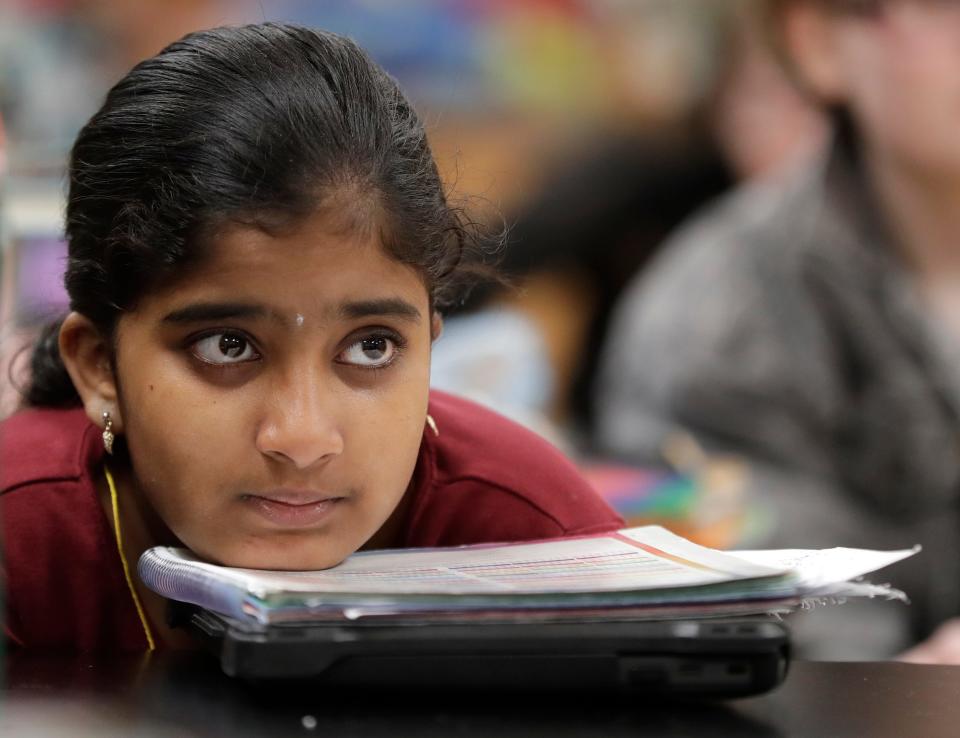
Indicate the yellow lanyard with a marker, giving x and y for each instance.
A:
(123, 560)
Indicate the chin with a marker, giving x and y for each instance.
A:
(279, 557)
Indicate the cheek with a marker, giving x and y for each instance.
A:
(385, 433)
(182, 441)
(180, 418)
(388, 447)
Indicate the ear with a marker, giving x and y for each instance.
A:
(86, 354)
(436, 326)
(812, 38)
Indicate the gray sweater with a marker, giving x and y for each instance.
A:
(781, 326)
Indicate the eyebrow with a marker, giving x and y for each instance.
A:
(209, 311)
(391, 306)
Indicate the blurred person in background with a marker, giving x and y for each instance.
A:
(604, 207)
(812, 324)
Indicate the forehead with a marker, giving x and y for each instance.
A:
(302, 268)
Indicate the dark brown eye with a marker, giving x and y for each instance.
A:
(225, 348)
(374, 348)
(370, 352)
(232, 345)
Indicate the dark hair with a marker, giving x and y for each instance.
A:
(259, 125)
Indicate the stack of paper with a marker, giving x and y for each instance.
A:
(644, 572)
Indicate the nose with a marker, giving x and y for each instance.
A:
(300, 426)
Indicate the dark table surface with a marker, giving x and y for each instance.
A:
(187, 695)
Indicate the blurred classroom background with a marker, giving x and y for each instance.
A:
(586, 130)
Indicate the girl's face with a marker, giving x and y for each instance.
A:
(274, 400)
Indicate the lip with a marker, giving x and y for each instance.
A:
(288, 508)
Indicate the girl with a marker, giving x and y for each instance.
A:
(259, 245)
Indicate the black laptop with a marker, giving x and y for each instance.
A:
(705, 658)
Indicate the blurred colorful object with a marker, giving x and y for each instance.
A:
(32, 258)
(39, 289)
(708, 505)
